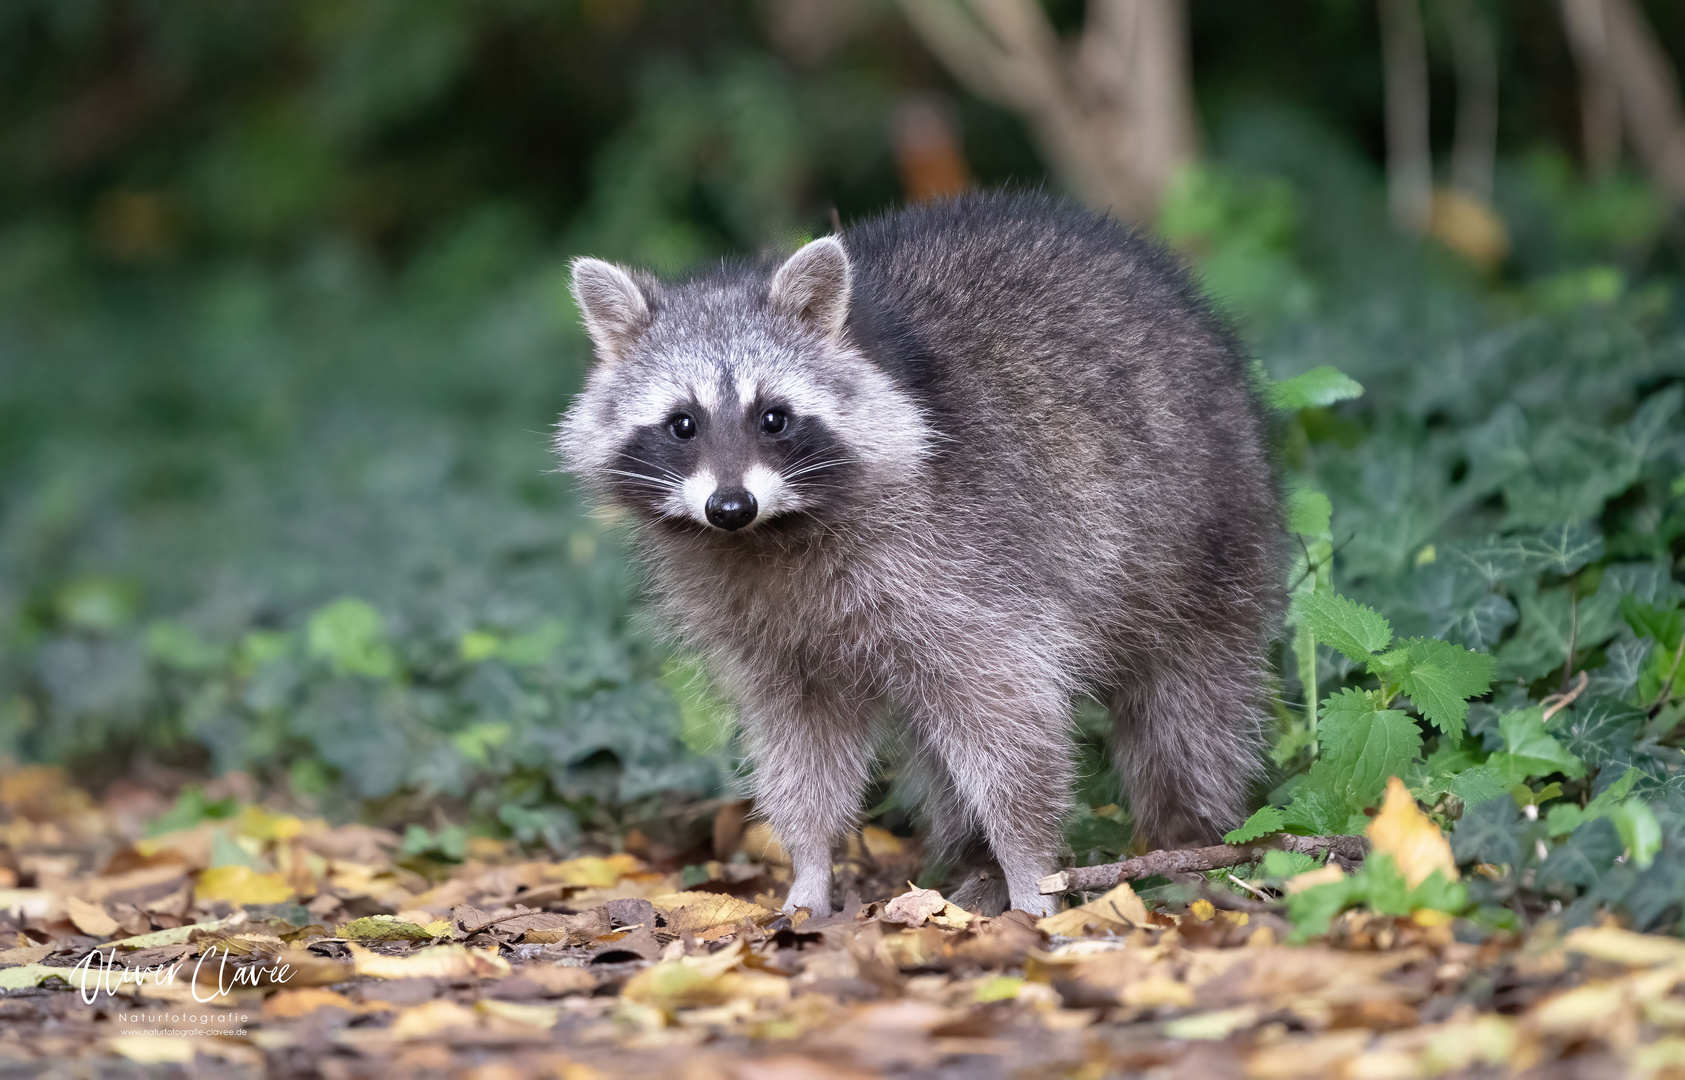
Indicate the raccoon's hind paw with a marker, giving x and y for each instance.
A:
(817, 903)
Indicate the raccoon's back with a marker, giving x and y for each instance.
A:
(1093, 408)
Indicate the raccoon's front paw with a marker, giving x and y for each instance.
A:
(1036, 904)
(817, 900)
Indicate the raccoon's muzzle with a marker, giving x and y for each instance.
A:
(731, 508)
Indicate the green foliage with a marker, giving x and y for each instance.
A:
(1378, 886)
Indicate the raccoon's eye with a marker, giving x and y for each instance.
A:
(683, 426)
(774, 420)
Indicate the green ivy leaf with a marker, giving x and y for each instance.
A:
(1346, 625)
(1530, 750)
(1639, 829)
(1315, 388)
(1440, 678)
(1264, 820)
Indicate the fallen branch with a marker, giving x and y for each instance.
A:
(1198, 859)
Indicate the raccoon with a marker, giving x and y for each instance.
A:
(947, 471)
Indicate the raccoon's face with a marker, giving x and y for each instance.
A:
(737, 402)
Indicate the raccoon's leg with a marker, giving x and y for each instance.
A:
(812, 760)
(1188, 748)
(1010, 758)
(954, 840)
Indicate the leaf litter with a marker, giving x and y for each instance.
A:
(335, 954)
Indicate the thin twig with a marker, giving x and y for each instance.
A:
(1253, 889)
(1198, 859)
(1557, 702)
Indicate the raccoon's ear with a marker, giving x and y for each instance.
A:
(813, 286)
(613, 306)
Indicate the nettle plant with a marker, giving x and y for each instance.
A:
(1568, 798)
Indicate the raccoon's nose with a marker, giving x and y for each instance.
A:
(731, 508)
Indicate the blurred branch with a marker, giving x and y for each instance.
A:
(1409, 156)
(1600, 104)
(1114, 120)
(1648, 91)
(1475, 148)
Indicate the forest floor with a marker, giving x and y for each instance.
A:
(266, 944)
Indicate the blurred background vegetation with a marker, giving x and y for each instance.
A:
(284, 323)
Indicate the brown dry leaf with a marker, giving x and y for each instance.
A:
(1415, 843)
(761, 844)
(1469, 227)
(1119, 910)
(242, 885)
(152, 1049)
(26, 954)
(914, 906)
(91, 919)
(693, 981)
(698, 912)
(550, 980)
(290, 1004)
(436, 962)
(577, 929)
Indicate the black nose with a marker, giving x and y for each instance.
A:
(731, 508)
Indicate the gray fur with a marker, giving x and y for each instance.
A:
(1023, 462)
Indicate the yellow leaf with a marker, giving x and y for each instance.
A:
(999, 988)
(761, 844)
(1415, 843)
(256, 822)
(1624, 946)
(538, 1016)
(291, 1004)
(431, 1019)
(1203, 910)
(1119, 909)
(176, 935)
(700, 911)
(17, 978)
(91, 919)
(1469, 227)
(437, 962)
(391, 928)
(881, 843)
(593, 871)
(1310, 879)
(241, 885)
(152, 1049)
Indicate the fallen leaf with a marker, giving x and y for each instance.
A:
(593, 871)
(432, 1019)
(1415, 843)
(1310, 879)
(26, 954)
(537, 1016)
(1625, 947)
(1117, 910)
(548, 980)
(436, 962)
(391, 928)
(914, 906)
(17, 978)
(242, 885)
(178, 935)
(290, 1004)
(700, 911)
(881, 843)
(152, 1049)
(91, 919)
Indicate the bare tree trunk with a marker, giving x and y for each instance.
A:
(1474, 152)
(1409, 155)
(1600, 103)
(1114, 120)
(1649, 93)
